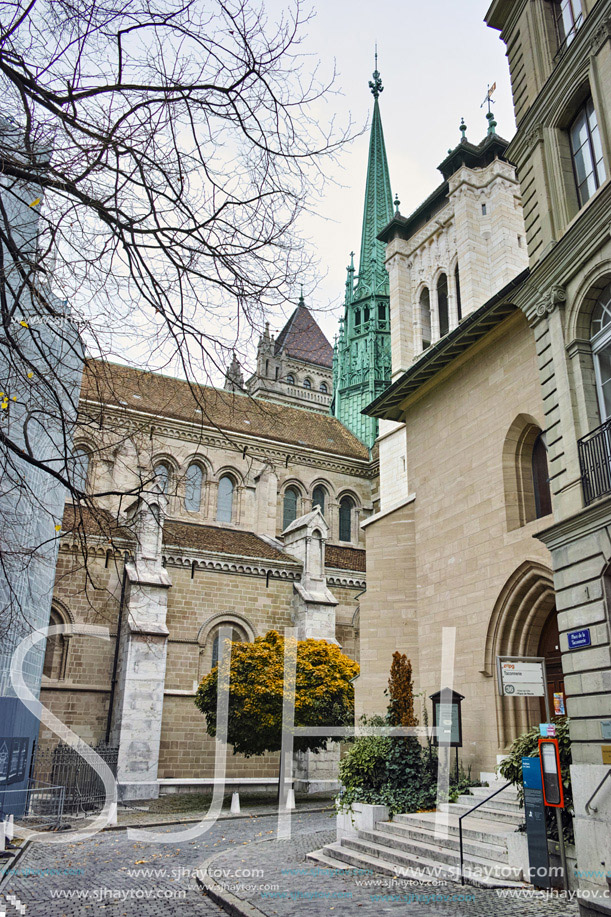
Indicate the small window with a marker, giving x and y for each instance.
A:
(193, 488)
(289, 513)
(267, 367)
(586, 152)
(81, 469)
(543, 497)
(484, 210)
(346, 508)
(224, 503)
(381, 312)
(323, 387)
(307, 383)
(442, 304)
(569, 16)
(357, 318)
(457, 285)
(56, 650)
(425, 318)
(290, 379)
(277, 373)
(162, 477)
(366, 314)
(318, 498)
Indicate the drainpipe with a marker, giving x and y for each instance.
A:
(115, 664)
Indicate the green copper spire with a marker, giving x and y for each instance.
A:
(361, 358)
(378, 199)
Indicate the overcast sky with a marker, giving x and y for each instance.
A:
(436, 60)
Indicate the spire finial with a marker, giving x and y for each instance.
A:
(376, 84)
(301, 302)
(397, 204)
(489, 115)
(463, 130)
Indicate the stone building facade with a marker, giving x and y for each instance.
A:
(244, 513)
(560, 65)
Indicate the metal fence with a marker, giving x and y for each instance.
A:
(595, 463)
(74, 772)
(40, 805)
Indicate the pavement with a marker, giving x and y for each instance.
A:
(240, 864)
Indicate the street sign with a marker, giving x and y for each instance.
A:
(579, 638)
(520, 676)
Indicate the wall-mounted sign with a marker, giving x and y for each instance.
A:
(605, 729)
(559, 708)
(547, 730)
(606, 750)
(520, 676)
(579, 638)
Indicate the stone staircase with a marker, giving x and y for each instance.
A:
(408, 846)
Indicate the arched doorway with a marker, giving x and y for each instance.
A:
(549, 647)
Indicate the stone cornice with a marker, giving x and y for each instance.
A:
(350, 579)
(591, 519)
(539, 309)
(256, 447)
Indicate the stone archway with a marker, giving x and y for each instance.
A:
(520, 614)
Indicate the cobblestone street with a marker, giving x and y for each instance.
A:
(119, 877)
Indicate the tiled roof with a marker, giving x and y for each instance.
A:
(303, 339)
(221, 540)
(345, 558)
(82, 520)
(164, 396)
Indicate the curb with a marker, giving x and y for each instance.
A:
(225, 899)
(7, 875)
(270, 813)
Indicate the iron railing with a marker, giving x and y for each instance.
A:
(595, 463)
(464, 815)
(64, 766)
(589, 807)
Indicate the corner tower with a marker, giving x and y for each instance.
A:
(361, 358)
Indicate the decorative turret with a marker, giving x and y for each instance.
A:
(361, 365)
(234, 378)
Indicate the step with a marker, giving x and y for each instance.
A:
(477, 829)
(390, 862)
(437, 850)
(486, 813)
(342, 858)
(503, 805)
(320, 857)
(509, 792)
(494, 846)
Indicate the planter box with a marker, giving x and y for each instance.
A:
(362, 817)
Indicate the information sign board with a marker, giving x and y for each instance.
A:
(520, 677)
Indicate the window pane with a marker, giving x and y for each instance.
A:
(345, 519)
(290, 507)
(193, 489)
(81, 467)
(224, 505)
(162, 474)
(543, 498)
(318, 498)
(601, 314)
(442, 304)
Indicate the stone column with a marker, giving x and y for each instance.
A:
(314, 617)
(138, 709)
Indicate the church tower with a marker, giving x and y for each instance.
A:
(361, 359)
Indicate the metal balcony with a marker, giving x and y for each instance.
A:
(595, 463)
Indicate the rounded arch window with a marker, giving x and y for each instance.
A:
(324, 388)
(80, 468)
(289, 508)
(442, 305)
(346, 513)
(224, 503)
(237, 636)
(600, 334)
(425, 318)
(194, 479)
(56, 649)
(540, 474)
(290, 379)
(307, 383)
(162, 476)
(318, 498)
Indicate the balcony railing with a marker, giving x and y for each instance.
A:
(595, 463)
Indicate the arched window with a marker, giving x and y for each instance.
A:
(540, 473)
(56, 649)
(81, 468)
(425, 318)
(162, 476)
(600, 332)
(236, 637)
(224, 501)
(346, 507)
(442, 304)
(323, 387)
(457, 285)
(381, 312)
(318, 498)
(357, 318)
(289, 511)
(193, 488)
(290, 379)
(307, 383)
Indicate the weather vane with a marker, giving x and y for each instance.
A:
(376, 84)
(489, 98)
